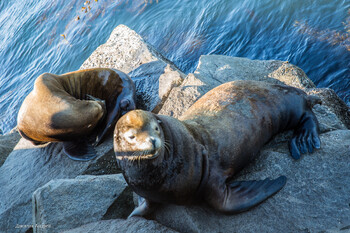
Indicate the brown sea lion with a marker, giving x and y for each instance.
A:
(166, 160)
(71, 107)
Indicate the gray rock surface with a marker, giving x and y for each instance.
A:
(315, 199)
(121, 225)
(214, 70)
(153, 74)
(125, 50)
(68, 203)
(333, 103)
(28, 168)
(327, 119)
(154, 81)
(7, 143)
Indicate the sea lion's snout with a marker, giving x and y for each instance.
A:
(151, 144)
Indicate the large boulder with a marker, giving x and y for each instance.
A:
(68, 203)
(132, 225)
(7, 143)
(125, 50)
(315, 198)
(27, 168)
(214, 70)
(334, 103)
(153, 74)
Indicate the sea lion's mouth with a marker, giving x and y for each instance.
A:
(139, 155)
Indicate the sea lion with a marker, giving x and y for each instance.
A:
(71, 107)
(166, 160)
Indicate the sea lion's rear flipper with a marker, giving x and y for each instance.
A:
(305, 136)
(240, 196)
(79, 150)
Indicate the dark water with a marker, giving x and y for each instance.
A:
(38, 36)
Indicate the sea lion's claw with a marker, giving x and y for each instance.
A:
(243, 195)
(145, 207)
(309, 144)
(79, 150)
(303, 146)
(294, 150)
(316, 141)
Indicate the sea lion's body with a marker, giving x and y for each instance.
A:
(72, 106)
(215, 138)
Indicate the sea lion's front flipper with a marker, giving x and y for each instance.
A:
(122, 105)
(79, 150)
(145, 207)
(240, 196)
(305, 136)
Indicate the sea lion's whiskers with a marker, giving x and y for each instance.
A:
(166, 145)
(139, 161)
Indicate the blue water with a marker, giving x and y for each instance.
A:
(38, 36)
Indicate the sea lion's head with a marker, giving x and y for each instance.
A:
(138, 135)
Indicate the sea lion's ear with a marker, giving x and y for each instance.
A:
(159, 121)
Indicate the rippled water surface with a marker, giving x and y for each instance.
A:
(38, 36)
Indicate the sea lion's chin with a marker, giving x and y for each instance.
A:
(149, 154)
(152, 155)
(141, 155)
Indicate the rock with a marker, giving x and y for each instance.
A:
(125, 50)
(28, 168)
(219, 69)
(214, 70)
(7, 143)
(315, 198)
(334, 104)
(153, 83)
(153, 74)
(131, 225)
(289, 74)
(327, 119)
(68, 203)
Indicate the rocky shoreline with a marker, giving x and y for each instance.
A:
(43, 188)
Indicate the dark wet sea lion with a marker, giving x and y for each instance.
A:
(71, 107)
(166, 160)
